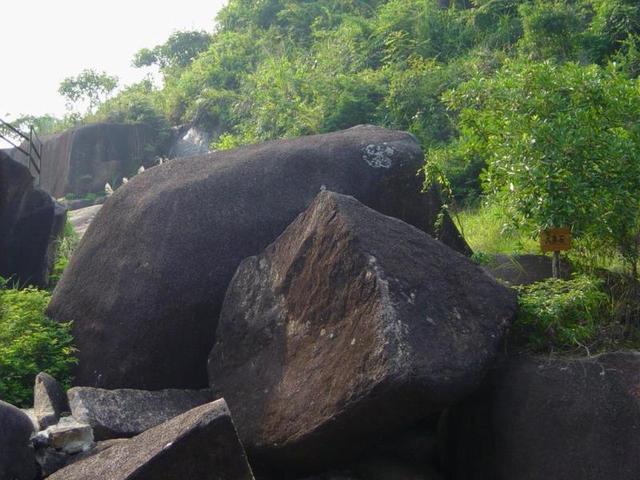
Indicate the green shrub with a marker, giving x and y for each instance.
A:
(561, 314)
(30, 343)
(66, 246)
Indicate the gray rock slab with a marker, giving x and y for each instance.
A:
(127, 412)
(70, 436)
(200, 444)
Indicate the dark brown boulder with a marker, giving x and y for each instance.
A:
(17, 458)
(561, 419)
(200, 444)
(145, 287)
(30, 224)
(83, 159)
(351, 325)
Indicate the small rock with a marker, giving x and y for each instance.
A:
(69, 435)
(126, 412)
(17, 458)
(50, 400)
(201, 444)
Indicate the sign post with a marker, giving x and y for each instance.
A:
(555, 240)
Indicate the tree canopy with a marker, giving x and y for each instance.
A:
(89, 86)
(531, 103)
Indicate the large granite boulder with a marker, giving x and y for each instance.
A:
(564, 419)
(30, 224)
(351, 325)
(17, 458)
(127, 412)
(145, 287)
(200, 444)
(83, 159)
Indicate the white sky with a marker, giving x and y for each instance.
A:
(46, 41)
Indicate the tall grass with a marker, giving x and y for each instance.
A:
(485, 230)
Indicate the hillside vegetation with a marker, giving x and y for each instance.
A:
(528, 110)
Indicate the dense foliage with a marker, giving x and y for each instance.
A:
(561, 145)
(532, 105)
(558, 314)
(30, 343)
(276, 68)
(89, 87)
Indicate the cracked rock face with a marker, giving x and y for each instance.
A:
(69, 436)
(350, 325)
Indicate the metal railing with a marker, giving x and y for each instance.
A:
(30, 147)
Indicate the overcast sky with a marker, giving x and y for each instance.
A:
(47, 40)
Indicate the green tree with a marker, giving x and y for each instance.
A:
(89, 87)
(561, 145)
(551, 29)
(177, 52)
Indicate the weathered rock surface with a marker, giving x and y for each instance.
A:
(68, 435)
(145, 287)
(126, 412)
(52, 460)
(82, 218)
(49, 400)
(82, 160)
(351, 324)
(30, 222)
(200, 444)
(17, 459)
(559, 419)
(524, 269)
(189, 141)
